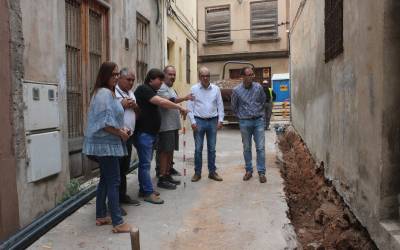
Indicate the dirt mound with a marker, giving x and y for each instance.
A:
(319, 215)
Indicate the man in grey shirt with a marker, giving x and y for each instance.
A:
(169, 130)
(248, 102)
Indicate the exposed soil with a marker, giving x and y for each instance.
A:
(319, 215)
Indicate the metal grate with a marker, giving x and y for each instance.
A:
(264, 19)
(95, 46)
(142, 34)
(73, 57)
(218, 23)
(187, 61)
(333, 29)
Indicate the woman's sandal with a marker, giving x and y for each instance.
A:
(103, 221)
(122, 228)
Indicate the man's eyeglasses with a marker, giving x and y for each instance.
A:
(204, 76)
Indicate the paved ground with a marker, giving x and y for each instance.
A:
(206, 215)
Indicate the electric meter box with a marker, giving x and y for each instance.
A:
(41, 106)
(43, 155)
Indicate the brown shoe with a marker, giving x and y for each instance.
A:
(196, 178)
(262, 178)
(154, 199)
(215, 177)
(122, 228)
(141, 195)
(103, 221)
(247, 175)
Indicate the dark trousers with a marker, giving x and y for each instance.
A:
(124, 164)
(108, 189)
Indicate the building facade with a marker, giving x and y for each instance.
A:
(243, 30)
(53, 50)
(345, 59)
(181, 42)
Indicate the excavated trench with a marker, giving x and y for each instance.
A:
(319, 215)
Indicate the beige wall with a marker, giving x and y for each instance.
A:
(263, 53)
(341, 108)
(240, 19)
(177, 33)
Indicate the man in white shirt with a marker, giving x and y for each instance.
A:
(206, 113)
(124, 93)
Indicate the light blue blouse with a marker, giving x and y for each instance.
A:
(105, 110)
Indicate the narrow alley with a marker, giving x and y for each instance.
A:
(91, 88)
(231, 214)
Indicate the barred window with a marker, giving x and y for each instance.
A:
(74, 67)
(218, 24)
(264, 19)
(95, 46)
(333, 29)
(142, 36)
(85, 26)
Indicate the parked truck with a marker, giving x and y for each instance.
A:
(262, 75)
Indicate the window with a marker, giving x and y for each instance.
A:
(218, 24)
(95, 46)
(142, 36)
(86, 46)
(74, 67)
(188, 61)
(333, 29)
(82, 16)
(264, 20)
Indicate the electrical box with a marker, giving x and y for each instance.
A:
(43, 155)
(41, 106)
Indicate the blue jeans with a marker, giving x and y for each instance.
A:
(109, 188)
(253, 128)
(208, 128)
(144, 143)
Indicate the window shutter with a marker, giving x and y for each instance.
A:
(218, 24)
(264, 19)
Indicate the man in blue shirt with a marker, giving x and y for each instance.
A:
(248, 102)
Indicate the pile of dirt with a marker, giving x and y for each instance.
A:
(319, 215)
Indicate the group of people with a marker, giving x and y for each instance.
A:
(149, 118)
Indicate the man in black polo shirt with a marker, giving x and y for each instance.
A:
(147, 128)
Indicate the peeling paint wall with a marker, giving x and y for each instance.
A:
(43, 26)
(9, 217)
(345, 109)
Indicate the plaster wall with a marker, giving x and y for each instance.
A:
(43, 26)
(9, 218)
(345, 109)
(123, 25)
